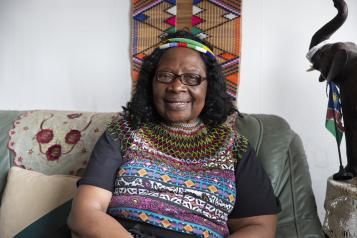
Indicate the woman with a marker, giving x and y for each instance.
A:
(172, 165)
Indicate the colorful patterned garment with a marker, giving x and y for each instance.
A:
(179, 177)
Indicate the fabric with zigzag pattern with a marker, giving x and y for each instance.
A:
(177, 176)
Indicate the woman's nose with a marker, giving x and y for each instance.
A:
(177, 85)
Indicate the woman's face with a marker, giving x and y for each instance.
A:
(175, 101)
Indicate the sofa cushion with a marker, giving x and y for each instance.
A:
(56, 142)
(30, 196)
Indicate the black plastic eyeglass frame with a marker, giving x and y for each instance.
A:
(180, 76)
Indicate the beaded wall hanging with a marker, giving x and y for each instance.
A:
(217, 21)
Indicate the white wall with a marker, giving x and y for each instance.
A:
(276, 37)
(64, 54)
(74, 55)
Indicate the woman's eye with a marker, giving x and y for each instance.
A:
(165, 76)
(192, 77)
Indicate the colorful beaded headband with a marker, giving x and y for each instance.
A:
(188, 43)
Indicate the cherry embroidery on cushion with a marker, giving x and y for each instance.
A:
(54, 152)
(44, 136)
(72, 137)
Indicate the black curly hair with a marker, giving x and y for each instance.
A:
(218, 104)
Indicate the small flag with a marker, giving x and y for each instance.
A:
(334, 114)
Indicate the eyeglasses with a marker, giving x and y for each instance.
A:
(190, 79)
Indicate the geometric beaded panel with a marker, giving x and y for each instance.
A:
(216, 21)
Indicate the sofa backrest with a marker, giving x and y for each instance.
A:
(282, 154)
(6, 124)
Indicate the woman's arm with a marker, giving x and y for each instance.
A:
(263, 226)
(256, 208)
(88, 217)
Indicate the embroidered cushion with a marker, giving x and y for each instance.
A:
(56, 142)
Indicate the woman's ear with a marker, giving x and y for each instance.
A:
(338, 64)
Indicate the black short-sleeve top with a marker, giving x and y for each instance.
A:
(187, 179)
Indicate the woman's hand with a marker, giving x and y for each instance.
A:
(88, 217)
(253, 227)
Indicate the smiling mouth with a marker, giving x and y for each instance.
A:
(176, 105)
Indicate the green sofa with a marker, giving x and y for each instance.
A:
(59, 142)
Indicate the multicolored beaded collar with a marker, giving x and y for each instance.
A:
(188, 43)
